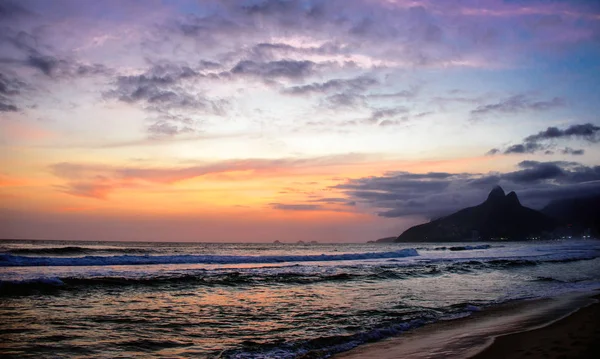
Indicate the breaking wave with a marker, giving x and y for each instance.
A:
(9, 260)
(459, 248)
(286, 275)
(326, 346)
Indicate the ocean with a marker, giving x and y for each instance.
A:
(209, 300)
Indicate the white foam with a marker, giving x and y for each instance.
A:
(8, 260)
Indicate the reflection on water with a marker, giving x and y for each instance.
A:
(277, 310)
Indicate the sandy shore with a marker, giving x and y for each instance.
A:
(546, 328)
(576, 336)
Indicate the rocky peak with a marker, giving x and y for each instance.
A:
(496, 194)
(512, 198)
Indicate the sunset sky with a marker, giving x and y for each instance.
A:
(263, 120)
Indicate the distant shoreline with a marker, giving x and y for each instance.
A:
(290, 243)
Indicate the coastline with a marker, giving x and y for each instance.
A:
(574, 336)
(525, 328)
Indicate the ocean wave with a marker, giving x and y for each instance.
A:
(73, 250)
(286, 275)
(12, 287)
(457, 248)
(9, 260)
(321, 347)
(407, 319)
(29, 286)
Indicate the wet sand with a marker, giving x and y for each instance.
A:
(545, 328)
(576, 336)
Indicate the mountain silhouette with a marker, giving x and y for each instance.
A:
(580, 213)
(499, 217)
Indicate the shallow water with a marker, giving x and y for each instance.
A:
(261, 300)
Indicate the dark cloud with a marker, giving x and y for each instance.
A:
(205, 27)
(399, 181)
(355, 85)
(46, 64)
(7, 107)
(518, 103)
(274, 69)
(571, 151)
(81, 70)
(484, 182)
(334, 200)
(269, 7)
(35, 55)
(545, 140)
(9, 88)
(539, 171)
(208, 65)
(165, 89)
(64, 68)
(587, 132)
(528, 147)
(11, 10)
(411, 35)
(397, 194)
(30, 52)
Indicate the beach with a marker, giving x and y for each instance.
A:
(575, 336)
(561, 327)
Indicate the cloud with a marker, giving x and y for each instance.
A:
(571, 151)
(9, 88)
(419, 34)
(528, 147)
(334, 200)
(587, 132)
(344, 100)
(7, 107)
(545, 140)
(152, 85)
(10, 10)
(354, 85)
(165, 128)
(518, 103)
(492, 152)
(291, 69)
(81, 176)
(296, 207)
(32, 53)
(397, 194)
(334, 204)
(46, 64)
(533, 172)
(24, 55)
(404, 94)
(387, 115)
(165, 90)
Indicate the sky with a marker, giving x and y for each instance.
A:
(263, 120)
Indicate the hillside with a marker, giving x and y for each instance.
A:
(499, 217)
